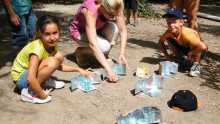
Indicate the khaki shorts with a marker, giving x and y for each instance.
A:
(106, 37)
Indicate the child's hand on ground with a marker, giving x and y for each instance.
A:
(47, 91)
(85, 72)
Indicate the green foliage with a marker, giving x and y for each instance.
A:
(144, 10)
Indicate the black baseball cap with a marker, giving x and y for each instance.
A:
(174, 12)
(184, 100)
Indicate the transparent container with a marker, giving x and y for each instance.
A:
(95, 78)
(85, 83)
(141, 71)
(150, 85)
(169, 68)
(118, 69)
(143, 115)
(152, 114)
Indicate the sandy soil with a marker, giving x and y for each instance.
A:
(105, 104)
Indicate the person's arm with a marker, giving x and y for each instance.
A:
(31, 77)
(120, 21)
(92, 38)
(195, 52)
(69, 68)
(14, 18)
(163, 49)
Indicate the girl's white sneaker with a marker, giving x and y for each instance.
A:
(28, 95)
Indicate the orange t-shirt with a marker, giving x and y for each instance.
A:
(186, 37)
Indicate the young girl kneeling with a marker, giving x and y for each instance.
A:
(38, 60)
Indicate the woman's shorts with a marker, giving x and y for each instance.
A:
(131, 4)
(106, 37)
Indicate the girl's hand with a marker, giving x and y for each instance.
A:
(47, 91)
(113, 77)
(85, 72)
(124, 59)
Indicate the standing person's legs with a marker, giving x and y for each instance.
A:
(135, 15)
(19, 35)
(133, 6)
(31, 23)
(177, 4)
(128, 15)
(192, 7)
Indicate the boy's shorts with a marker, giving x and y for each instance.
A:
(131, 4)
(184, 50)
(22, 81)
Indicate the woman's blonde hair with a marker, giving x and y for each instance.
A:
(112, 5)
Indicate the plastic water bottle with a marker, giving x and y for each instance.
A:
(142, 121)
(105, 75)
(141, 71)
(150, 85)
(136, 115)
(167, 70)
(95, 78)
(74, 83)
(152, 114)
(143, 115)
(122, 120)
(85, 83)
(119, 69)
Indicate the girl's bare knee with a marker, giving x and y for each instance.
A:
(59, 56)
(53, 63)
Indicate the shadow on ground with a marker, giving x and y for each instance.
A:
(211, 73)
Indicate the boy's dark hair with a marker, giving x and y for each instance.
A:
(42, 23)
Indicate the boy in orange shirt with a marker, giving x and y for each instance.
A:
(182, 41)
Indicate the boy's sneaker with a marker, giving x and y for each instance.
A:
(53, 83)
(135, 24)
(195, 70)
(127, 22)
(28, 95)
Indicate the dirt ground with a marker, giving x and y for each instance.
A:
(105, 104)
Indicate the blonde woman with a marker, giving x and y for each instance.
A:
(94, 34)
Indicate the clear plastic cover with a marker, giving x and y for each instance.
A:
(150, 86)
(143, 115)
